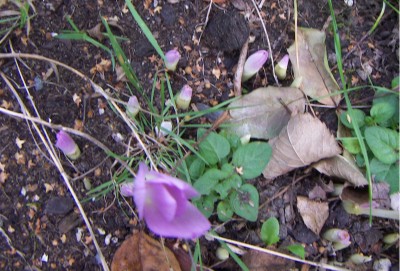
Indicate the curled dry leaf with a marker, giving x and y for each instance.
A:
(317, 80)
(140, 252)
(303, 141)
(259, 261)
(314, 213)
(339, 167)
(265, 111)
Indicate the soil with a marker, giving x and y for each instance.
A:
(37, 212)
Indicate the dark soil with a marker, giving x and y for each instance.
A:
(37, 212)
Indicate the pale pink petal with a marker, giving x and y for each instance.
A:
(140, 193)
(191, 224)
(187, 189)
(127, 189)
(65, 142)
(158, 197)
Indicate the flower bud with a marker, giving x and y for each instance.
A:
(360, 258)
(391, 238)
(281, 67)
(67, 145)
(165, 127)
(222, 254)
(339, 238)
(171, 59)
(133, 106)
(253, 64)
(184, 97)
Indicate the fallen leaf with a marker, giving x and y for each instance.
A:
(304, 140)
(314, 213)
(339, 167)
(77, 99)
(95, 32)
(140, 252)
(261, 113)
(3, 176)
(258, 261)
(216, 72)
(317, 80)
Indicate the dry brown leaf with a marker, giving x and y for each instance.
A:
(339, 167)
(303, 141)
(317, 80)
(95, 32)
(258, 261)
(261, 113)
(314, 213)
(140, 252)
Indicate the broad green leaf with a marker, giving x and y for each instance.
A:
(224, 187)
(214, 148)
(245, 201)
(297, 250)
(210, 178)
(264, 112)
(224, 211)
(382, 112)
(395, 82)
(228, 169)
(252, 158)
(270, 231)
(386, 173)
(384, 143)
(351, 145)
(234, 140)
(359, 117)
(196, 168)
(392, 100)
(206, 204)
(310, 63)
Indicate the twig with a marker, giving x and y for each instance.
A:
(237, 81)
(276, 253)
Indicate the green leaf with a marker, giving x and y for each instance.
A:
(234, 140)
(351, 145)
(228, 169)
(252, 158)
(297, 250)
(270, 231)
(383, 143)
(386, 173)
(224, 187)
(210, 178)
(382, 112)
(196, 168)
(214, 148)
(206, 204)
(395, 82)
(359, 117)
(392, 100)
(224, 211)
(245, 201)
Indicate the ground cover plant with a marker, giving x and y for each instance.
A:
(199, 135)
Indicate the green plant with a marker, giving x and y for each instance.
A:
(380, 131)
(219, 172)
(270, 236)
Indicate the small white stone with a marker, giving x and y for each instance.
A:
(79, 234)
(23, 191)
(45, 258)
(107, 239)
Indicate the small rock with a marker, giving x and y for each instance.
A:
(59, 205)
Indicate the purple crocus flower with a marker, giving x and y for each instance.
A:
(253, 64)
(162, 201)
(171, 59)
(184, 97)
(67, 145)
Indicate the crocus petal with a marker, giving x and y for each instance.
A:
(281, 67)
(158, 197)
(187, 189)
(191, 224)
(133, 106)
(139, 192)
(67, 145)
(253, 64)
(171, 59)
(184, 97)
(127, 189)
